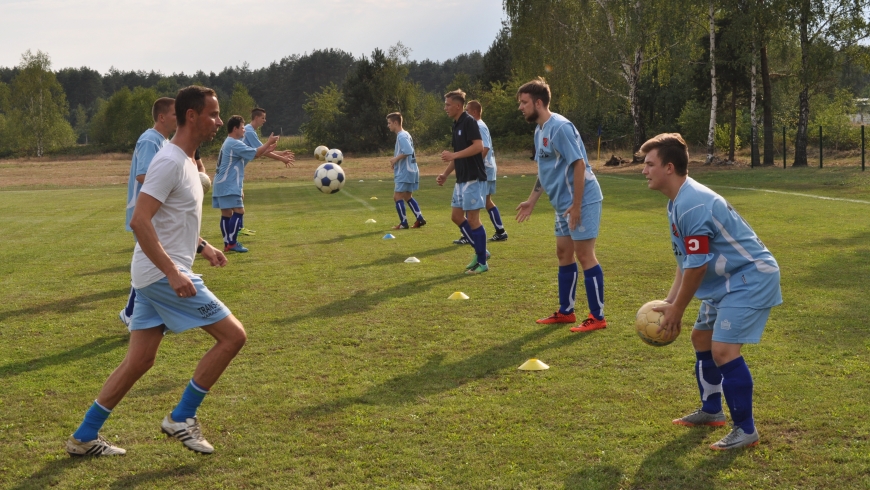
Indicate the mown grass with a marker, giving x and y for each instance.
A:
(359, 373)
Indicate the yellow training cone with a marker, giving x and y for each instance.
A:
(458, 295)
(533, 365)
(374, 198)
(369, 221)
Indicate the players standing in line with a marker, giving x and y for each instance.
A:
(476, 110)
(230, 178)
(722, 262)
(564, 173)
(469, 191)
(406, 174)
(149, 143)
(169, 295)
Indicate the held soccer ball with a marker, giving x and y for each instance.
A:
(334, 156)
(329, 178)
(647, 323)
(206, 182)
(320, 152)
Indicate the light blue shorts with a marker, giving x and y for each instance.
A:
(490, 187)
(157, 304)
(406, 186)
(227, 202)
(732, 325)
(469, 195)
(590, 221)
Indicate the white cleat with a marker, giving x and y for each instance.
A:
(188, 432)
(97, 447)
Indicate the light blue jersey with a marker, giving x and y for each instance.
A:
(406, 169)
(147, 146)
(230, 176)
(251, 139)
(489, 161)
(557, 146)
(705, 229)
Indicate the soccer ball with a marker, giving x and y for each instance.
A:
(334, 156)
(206, 182)
(329, 178)
(320, 152)
(647, 323)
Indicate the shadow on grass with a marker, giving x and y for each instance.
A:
(107, 270)
(399, 257)
(67, 305)
(93, 348)
(51, 475)
(435, 377)
(665, 467)
(339, 238)
(150, 479)
(366, 300)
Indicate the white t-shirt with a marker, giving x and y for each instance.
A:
(173, 179)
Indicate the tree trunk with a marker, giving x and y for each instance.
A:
(714, 100)
(733, 136)
(634, 99)
(753, 143)
(800, 141)
(767, 106)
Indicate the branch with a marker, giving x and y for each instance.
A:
(606, 89)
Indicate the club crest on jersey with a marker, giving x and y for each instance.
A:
(676, 233)
(546, 141)
(459, 132)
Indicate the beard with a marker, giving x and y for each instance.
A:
(533, 117)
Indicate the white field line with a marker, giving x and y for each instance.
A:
(799, 194)
(365, 204)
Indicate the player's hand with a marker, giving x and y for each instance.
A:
(273, 140)
(288, 160)
(447, 156)
(524, 211)
(181, 284)
(672, 318)
(441, 179)
(573, 214)
(214, 256)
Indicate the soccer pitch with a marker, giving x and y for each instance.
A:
(360, 373)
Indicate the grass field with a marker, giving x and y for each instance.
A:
(360, 373)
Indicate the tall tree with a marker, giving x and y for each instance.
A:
(714, 98)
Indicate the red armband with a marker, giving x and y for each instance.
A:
(697, 245)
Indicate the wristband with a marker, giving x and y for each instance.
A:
(201, 246)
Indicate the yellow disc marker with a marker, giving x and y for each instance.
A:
(458, 295)
(533, 365)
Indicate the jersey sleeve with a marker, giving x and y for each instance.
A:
(406, 147)
(485, 136)
(698, 232)
(252, 140)
(566, 143)
(243, 150)
(163, 176)
(144, 154)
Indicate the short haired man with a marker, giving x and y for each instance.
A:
(476, 110)
(565, 174)
(230, 178)
(169, 296)
(406, 174)
(722, 262)
(149, 143)
(470, 188)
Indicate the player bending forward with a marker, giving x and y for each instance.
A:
(722, 262)
(169, 296)
(564, 173)
(405, 173)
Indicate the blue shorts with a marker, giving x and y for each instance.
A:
(468, 195)
(590, 221)
(406, 186)
(227, 202)
(157, 304)
(732, 325)
(490, 187)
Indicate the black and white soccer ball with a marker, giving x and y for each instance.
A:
(334, 156)
(329, 178)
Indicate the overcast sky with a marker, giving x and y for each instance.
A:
(186, 36)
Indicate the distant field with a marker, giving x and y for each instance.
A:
(360, 373)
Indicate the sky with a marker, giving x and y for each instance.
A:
(190, 35)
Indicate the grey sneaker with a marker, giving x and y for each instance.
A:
(188, 432)
(736, 439)
(98, 447)
(700, 417)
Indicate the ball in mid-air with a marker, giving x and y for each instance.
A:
(329, 178)
(334, 156)
(647, 323)
(320, 152)
(206, 182)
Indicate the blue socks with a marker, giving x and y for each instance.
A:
(128, 310)
(709, 380)
(567, 287)
(233, 226)
(477, 237)
(595, 291)
(190, 401)
(496, 219)
(94, 419)
(400, 208)
(737, 388)
(412, 203)
(225, 229)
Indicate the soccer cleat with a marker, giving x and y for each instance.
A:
(124, 318)
(479, 269)
(98, 447)
(401, 226)
(700, 417)
(590, 324)
(238, 247)
(736, 439)
(245, 231)
(558, 317)
(188, 432)
(462, 241)
(473, 263)
(499, 237)
(417, 224)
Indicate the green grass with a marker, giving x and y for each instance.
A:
(359, 373)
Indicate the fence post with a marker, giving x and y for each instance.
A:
(862, 147)
(783, 147)
(820, 147)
